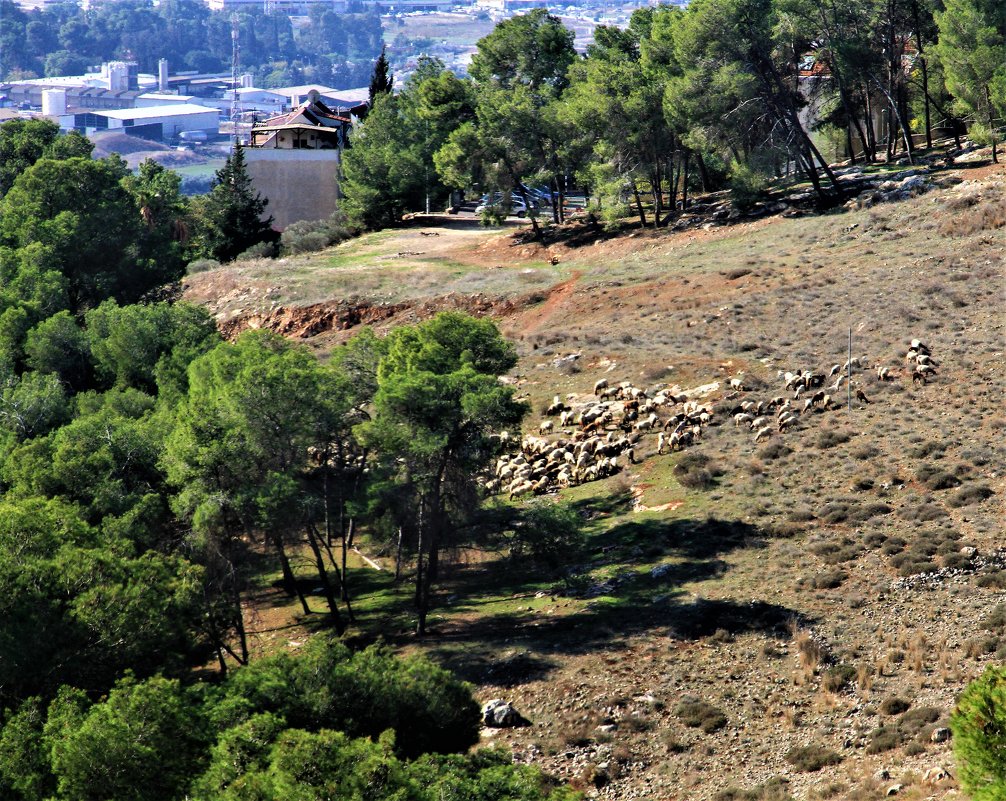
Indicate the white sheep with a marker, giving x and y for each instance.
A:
(763, 433)
(599, 385)
(661, 442)
(546, 427)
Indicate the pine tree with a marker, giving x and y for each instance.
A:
(230, 219)
(382, 80)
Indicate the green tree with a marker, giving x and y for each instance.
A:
(23, 142)
(382, 81)
(240, 456)
(229, 219)
(978, 724)
(141, 744)
(92, 245)
(437, 402)
(972, 50)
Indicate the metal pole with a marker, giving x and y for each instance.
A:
(849, 372)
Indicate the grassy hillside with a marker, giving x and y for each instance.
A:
(746, 615)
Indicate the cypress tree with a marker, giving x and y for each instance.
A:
(382, 80)
(232, 215)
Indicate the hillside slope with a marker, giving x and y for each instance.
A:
(816, 577)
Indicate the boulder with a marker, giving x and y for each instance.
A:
(500, 714)
(940, 735)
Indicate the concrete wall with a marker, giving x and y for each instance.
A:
(299, 184)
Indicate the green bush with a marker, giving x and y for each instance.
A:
(701, 715)
(810, 758)
(747, 186)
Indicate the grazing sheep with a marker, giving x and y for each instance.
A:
(661, 442)
(818, 397)
(599, 385)
(838, 383)
(808, 404)
(763, 433)
(630, 454)
(861, 396)
(826, 402)
(884, 373)
(546, 427)
(565, 418)
(556, 406)
(918, 345)
(834, 370)
(918, 377)
(742, 418)
(759, 422)
(786, 422)
(736, 383)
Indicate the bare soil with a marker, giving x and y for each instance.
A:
(823, 573)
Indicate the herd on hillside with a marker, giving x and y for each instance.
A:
(579, 441)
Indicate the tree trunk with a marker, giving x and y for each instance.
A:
(703, 173)
(290, 582)
(326, 585)
(639, 205)
(420, 578)
(686, 159)
(345, 548)
(658, 191)
(398, 556)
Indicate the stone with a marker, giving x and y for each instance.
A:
(969, 551)
(500, 714)
(940, 735)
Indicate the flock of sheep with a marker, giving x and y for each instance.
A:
(595, 434)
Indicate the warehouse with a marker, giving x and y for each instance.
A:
(163, 123)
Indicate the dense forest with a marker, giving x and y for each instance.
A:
(333, 49)
(717, 95)
(151, 473)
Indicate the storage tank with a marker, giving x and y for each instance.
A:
(117, 74)
(54, 102)
(162, 75)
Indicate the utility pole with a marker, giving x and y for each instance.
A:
(848, 385)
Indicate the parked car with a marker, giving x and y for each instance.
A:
(516, 204)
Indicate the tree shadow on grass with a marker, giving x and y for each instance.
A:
(635, 598)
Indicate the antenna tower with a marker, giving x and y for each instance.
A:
(235, 52)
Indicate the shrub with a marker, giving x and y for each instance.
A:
(775, 789)
(883, 739)
(994, 580)
(811, 758)
(774, 450)
(829, 439)
(701, 715)
(837, 678)
(260, 250)
(935, 478)
(972, 493)
(695, 471)
(830, 579)
(747, 186)
(894, 706)
(201, 266)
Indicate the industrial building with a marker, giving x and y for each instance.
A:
(160, 123)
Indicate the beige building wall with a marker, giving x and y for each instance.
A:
(299, 184)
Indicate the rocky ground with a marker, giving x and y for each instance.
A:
(800, 624)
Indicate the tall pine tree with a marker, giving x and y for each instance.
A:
(230, 218)
(382, 80)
